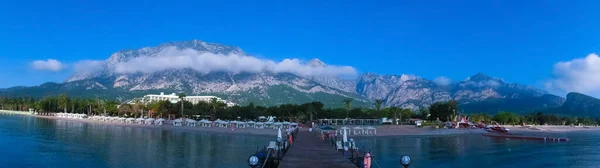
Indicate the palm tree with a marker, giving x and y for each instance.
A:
(395, 110)
(216, 104)
(137, 107)
(63, 100)
(181, 96)
(347, 103)
(378, 105)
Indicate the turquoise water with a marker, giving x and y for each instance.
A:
(582, 150)
(38, 142)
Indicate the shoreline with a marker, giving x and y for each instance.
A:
(411, 130)
(382, 130)
(168, 127)
(551, 128)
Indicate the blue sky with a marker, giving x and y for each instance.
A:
(519, 41)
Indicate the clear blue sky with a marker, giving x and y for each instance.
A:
(518, 41)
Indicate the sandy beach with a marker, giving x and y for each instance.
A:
(401, 130)
(550, 128)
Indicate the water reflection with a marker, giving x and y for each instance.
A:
(479, 151)
(77, 144)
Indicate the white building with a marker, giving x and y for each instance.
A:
(174, 98)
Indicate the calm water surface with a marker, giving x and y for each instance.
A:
(37, 142)
(582, 150)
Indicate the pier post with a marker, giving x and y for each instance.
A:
(405, 161)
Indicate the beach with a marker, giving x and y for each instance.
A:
(400, 130)
(247, 131)
(550, 128)
(411, 130)
(382, 130)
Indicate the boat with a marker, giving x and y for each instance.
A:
(495, 127)
(526, 137)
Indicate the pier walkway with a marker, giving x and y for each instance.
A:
(308, 150)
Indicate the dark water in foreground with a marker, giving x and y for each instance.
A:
(37, 142)
(582, 150)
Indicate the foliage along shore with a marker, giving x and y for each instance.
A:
(292, 112)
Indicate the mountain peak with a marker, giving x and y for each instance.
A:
(315, 62)
(200, 45)
(575, 95)
(479, 77)
(578, 104)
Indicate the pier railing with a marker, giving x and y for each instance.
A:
(270, 156)
(356, 154)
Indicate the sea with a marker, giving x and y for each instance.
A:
(27, 141)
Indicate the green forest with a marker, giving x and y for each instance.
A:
(442, 111)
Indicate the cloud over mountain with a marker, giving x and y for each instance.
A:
(88, 66)
(443, 81)
(47, 65)
(206, 62)
(578, 75)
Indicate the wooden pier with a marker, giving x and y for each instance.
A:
(309, 150)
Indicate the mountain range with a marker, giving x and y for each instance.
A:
(478, 93)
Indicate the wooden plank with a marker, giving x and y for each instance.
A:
(309, 150)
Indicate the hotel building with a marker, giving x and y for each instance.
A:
(174, 98)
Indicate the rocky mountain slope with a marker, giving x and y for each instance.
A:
(480, 93)
(578, 104)
(476, 94)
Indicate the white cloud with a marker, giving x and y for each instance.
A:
(488, 83)
(578, 75)
(443, 81)
(88, 66)
(173, 58)
(47, 65)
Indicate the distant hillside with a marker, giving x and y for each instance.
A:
(578, 104)
(523, 105)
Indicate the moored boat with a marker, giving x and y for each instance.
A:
(496, 128)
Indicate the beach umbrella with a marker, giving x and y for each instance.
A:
(279, 134)
(345, 140)
(345, 136)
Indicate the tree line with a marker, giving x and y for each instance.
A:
(214, 109)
